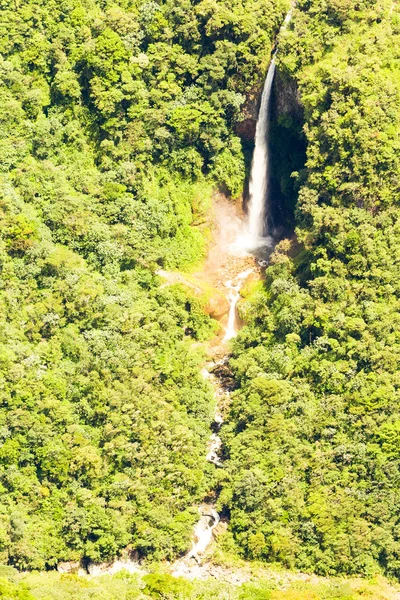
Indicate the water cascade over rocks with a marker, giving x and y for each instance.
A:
(235, 247)
(258, 202)
(251, 238)
(234, 287)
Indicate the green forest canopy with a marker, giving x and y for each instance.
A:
(116, 121)
(312, 442)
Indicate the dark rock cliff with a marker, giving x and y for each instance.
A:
(286, 98)
(287, 151)
(246, 129)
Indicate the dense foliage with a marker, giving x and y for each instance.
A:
(313, 438)
(116, 118)
(265, 585)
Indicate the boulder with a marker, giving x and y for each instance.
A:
(68, 567)
(217, 305)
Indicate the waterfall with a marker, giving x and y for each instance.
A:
(233, 297)
(259, 177)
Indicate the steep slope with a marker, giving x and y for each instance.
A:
(116, 119)
(312, 441)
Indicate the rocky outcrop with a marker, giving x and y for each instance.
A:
(212, 300)
(287, 101)
(129, 563)
(69, 567)
(246, 129)
(217, 305)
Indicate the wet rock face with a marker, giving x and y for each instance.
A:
(223, 372)
(217, 305)
(246, 129)
(287, 151)
(287, 101)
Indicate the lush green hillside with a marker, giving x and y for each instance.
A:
(116, 121)
(267, 584)
(116, 118)
(312, 442)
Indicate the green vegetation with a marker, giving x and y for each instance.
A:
(160, 586)
(312, 476)
(116, 119)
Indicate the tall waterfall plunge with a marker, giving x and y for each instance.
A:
(258, 203)
(254, 235)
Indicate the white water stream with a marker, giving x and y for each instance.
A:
(203, 531)
(209, 519)
(234, 287)
(249, 240)
(252, 239)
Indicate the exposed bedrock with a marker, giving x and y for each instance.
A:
(246, 129)
(287, 150)
(286, 101)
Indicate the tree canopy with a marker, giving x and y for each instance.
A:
(312, 438)
(116, 119)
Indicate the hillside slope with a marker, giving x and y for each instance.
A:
(312, 440)
(116, 119)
